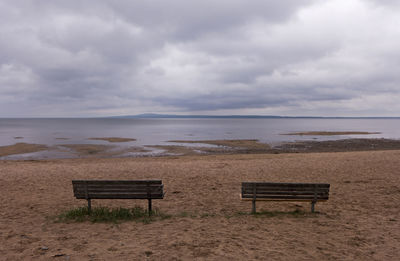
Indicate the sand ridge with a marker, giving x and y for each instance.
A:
(360, 221)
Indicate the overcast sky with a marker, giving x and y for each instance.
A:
(290, 57)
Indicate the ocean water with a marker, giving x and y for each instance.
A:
(154, 131)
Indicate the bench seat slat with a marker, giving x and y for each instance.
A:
(278, 199)
(284, 197)
(92, 195)
(119, 196)
(285, 185)
(119, 187)
(320, 193)
(116, 182)
(288, 190)
(116, 185)
(119, 192)
(277, 184)
(138, 188)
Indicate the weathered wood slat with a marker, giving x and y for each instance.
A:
(121, 187)
(118, 186)
(116, 182)
(324, 193)
(89, 189)
(285, 197)
(139, 188)
(119, 196)
(159, 191)
(122, 196)
(104, 195)
(159, 181)
(285, 183)
(277, 199)
(153, 191)
(285, 187)
(281, 185)
(119, 191)
(250, 190)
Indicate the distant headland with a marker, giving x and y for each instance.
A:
(177, 116)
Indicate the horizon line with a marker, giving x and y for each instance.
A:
(155, 115)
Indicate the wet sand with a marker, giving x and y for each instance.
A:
(100, 151)
(360, 221)
(114, 139)
(330, 133)
(217, 147)
(254, 146)
(248, 144)
(20, 148)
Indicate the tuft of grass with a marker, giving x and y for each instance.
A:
(206, 215)
(111, 215)
(185, 214)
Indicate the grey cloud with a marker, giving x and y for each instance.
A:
(89, 58)
(260, 97)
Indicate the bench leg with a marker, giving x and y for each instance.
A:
(312, 206)
(253, 209)
(149, 207)
(89, 206)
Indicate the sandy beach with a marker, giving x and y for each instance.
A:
(147, 130)
(208, 221)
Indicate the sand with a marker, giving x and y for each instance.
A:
(360, 221)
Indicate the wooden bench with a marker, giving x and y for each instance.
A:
(118, 189)
(312, 192)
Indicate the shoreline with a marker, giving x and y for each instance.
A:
(26, 151)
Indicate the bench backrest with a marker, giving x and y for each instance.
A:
(285, 191)
(118, 189)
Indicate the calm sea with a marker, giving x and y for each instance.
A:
(160, 131)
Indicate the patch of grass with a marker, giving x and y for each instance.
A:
(111, 215)
(265, 213)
